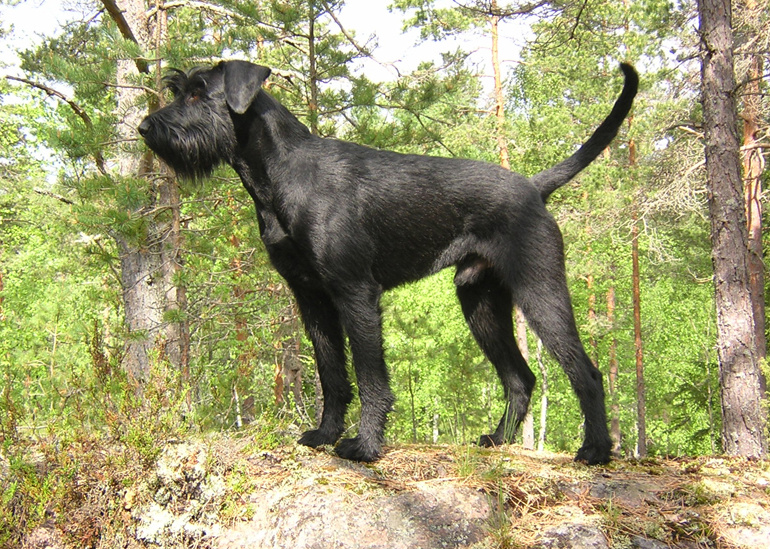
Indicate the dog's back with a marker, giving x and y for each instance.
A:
(408, 215)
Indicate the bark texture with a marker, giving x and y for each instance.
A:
(753, 168)
(739, 365)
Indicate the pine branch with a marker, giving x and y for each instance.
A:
(58, 197)
(125, 29)
(207, 6)
(345, 33)
(57, 94)
(490, 10)
(72, 105)
(362, 50)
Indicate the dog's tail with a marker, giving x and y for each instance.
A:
(551, 179)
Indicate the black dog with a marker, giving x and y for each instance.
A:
(342, 223)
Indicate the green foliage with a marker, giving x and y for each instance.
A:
(436, 22)
(63, 220)
(49, 296)
(447, 391)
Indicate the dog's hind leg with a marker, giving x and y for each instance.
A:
(543, 297)
(488, 310)
(359, 309)
(323, 327)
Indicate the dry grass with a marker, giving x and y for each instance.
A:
(708, 502)
(703, 502)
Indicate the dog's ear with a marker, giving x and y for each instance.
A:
(243, 80)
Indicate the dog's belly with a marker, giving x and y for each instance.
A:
(401, 260)
(391, 270)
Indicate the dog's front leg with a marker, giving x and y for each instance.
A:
(323, 327)
(360, 314)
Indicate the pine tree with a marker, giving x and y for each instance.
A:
(744, 417)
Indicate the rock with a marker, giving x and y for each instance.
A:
(644, 543)
(746, 524)
(46, 536)
(316, 517)
(225, 494)
(186, 499)
(632, 492)
(573, 536)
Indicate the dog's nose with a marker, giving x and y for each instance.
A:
(144, 127)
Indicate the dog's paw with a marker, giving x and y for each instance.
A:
(317, 438)
(356, 450)
(594, 454)
(490, 441)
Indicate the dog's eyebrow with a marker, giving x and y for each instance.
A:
(198, 77)
(175, 80)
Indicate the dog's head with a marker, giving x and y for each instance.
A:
(195, 132)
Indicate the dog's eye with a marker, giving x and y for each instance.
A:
(193, 98)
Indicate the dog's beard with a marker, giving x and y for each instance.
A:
(189, 157)
(192, 150)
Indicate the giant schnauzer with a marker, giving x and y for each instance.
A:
(342, 223)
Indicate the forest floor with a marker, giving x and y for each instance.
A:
(229, 492)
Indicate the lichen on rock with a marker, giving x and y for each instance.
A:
(186, 499)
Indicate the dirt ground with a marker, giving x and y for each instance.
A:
(228, 493)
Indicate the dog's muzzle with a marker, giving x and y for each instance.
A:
(144, 127)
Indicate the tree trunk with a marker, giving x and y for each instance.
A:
(143, 307)
(593, 343)
(2, 297)
(641, 396)
(753, 167)
(175, 325)
(739, 365)
(291, 362)
(139, 264)
(502, 143)
(313, 76)
(528, 425)
(613, 376)
(641, 414)
(543, 397)
(412, 410)
(154, 303)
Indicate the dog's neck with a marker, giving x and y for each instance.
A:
(282, 126)
(279, 136)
